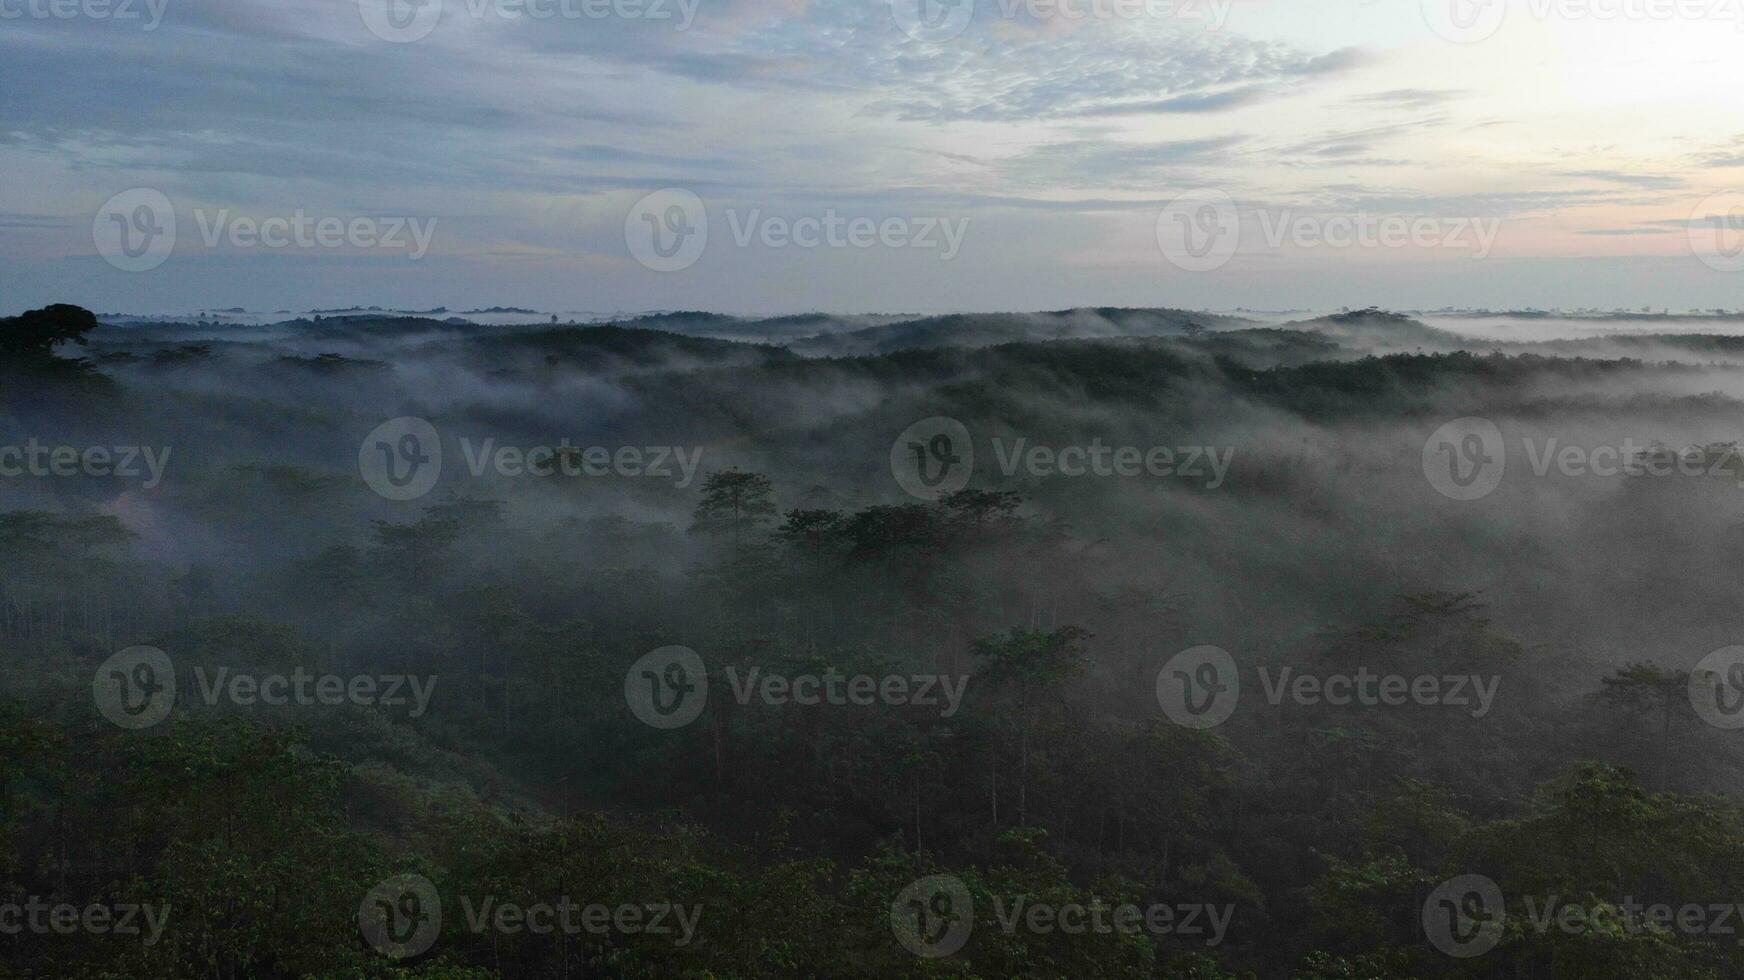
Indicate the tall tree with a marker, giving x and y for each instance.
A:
(734, 502)
(28, 341)
(1032, 662)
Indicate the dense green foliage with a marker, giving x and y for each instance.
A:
(1323, 829)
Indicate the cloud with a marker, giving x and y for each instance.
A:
(1411, 98)
(1494, 204)
(1100, 163)
(1199, 103)
(32, 221)
(1727, 154)
(1091, 73)
(532, 136)
(1346, 145)
(1632, 179)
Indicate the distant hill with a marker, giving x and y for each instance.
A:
(616, 348)
(761, 329)
(988, 329)
(1375, 328)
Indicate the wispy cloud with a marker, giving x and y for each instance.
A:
(1630, 178)
(1411, 98)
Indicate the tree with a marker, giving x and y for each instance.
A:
(733, 502)
(38, 332)
(1647, 688)
(28, 341)
(1032, 661)
(977, 508)
(813, 532)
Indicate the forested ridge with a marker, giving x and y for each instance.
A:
(1304, 838)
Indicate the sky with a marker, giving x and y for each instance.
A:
(774, 156)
